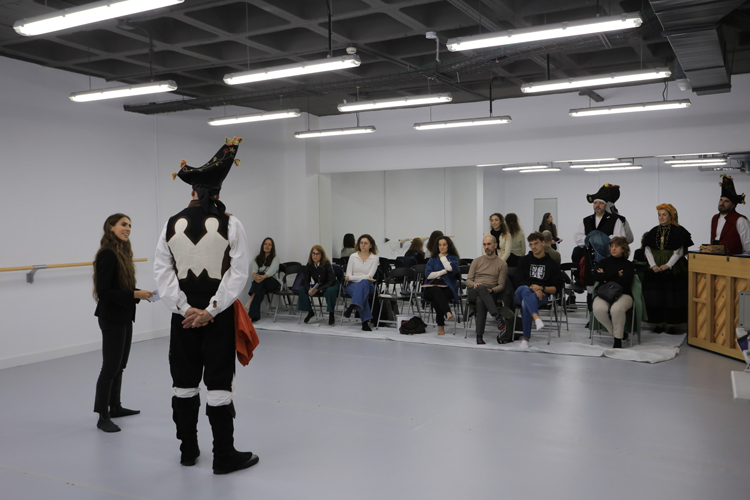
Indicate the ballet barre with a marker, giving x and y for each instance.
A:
(422, 238)
(33, 269)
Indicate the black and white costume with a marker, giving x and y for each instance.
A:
(202, 262)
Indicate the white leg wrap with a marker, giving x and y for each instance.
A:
(181, 392)
(220, 398)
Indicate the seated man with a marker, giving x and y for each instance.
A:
(485, 283)
(539, 275)
(548, 247)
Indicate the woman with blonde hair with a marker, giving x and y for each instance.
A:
(318, 279)
(518, 239)
(116, 297)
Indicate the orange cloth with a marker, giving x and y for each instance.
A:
(246, 338)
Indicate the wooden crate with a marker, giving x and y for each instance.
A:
(714, 285)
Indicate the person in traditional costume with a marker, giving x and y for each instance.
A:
(201, 267)
(729, 228)
(116, 297)
(665, 285)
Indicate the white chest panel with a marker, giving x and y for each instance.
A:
(207, 254)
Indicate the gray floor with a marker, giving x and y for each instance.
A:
(340, 418)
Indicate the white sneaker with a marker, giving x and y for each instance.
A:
(539, 323)
(524, 345)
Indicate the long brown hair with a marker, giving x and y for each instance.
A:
(503, 227)
(416, 245)
(323, 257)
(124, 252)
(451, 247)
(513, 226)
(433, 240)
(261, 258)
(373, 246)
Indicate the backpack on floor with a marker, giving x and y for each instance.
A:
(414, 325)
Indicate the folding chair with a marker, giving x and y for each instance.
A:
(398, 287)
(285, 293)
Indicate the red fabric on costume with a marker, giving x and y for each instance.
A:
(246, 338)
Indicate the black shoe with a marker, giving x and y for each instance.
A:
(254, 320)
(348, 312)
(625, 335)
(331, 319)
(480, 340)
(226, 458)
(237, 461)
(107, 425)
(618, 344)
(587, 325)
(119, 411)
(501, 325)
(366, 326)
(659, 329)
(185, 417)
(187, 460)
(309, 316)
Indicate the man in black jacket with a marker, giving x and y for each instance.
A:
(539, 276)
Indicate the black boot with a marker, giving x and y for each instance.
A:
(366, 326)
(618, 344)
(309, 316)
(348, 312)
(105, 424)
(185, 417)
(331, 319)
(226, 458)
(480, 339)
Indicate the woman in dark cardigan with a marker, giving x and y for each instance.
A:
(441, 280)
(618, 269)
(318, 279)
(116, 296)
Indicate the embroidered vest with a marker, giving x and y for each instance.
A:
(729, 236)
(199, 243)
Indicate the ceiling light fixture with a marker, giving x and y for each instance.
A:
(86, 14)
(295, 69)
(126, 91)
(689, 154)
(633, 167)
(526, 167)
(600, 165)
(546, 32)
(528, 171)
(470, 122)
(417, 100)
(333, 131)
(631, 108)
(589, 160)
(255, 117)
(702, 160)
(596, 80)
(717, 164)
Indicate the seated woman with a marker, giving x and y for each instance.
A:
(265, 274)
(416, 251)
(618, 269)
(348, 247)
(440, 285)
(318, 279)
(518, 240)
(548, 225)
(665, 284)
(359, 277)
(499, 229)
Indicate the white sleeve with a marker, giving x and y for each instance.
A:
(350, 268)
(619, 229)
(580, 236)
(235, 278)
(743, 227)
(166, 279)
(649, 257)
(675, 257)
(446, 263)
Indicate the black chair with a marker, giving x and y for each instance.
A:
(398, 287)
(465, 262)
(286, 293)
(406, 261)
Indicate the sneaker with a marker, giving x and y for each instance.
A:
(480, 340)
(501, 325)
(524, 345)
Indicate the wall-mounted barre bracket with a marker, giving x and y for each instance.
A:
(30, 274)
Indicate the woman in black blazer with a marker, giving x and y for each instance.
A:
(318, 279)
(116, 296)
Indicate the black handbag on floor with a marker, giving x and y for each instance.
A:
(609, 291)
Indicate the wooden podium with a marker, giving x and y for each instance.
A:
(714, 285)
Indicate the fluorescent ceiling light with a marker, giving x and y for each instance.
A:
(294, 69)
(633, 167)
(528, 171)
(598, 165)
(492, 165)
(126, 91)
(701, 160)
(717, 164)
(597, 80)
(526, 167)
(690, 154)
(86, 14)
(589, 160)
(254, 117)
(417, 100)
(631, 108)
(469, 122)
(333, 131)
(545, 32)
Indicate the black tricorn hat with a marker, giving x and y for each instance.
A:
(212, 174)
(727, 191)
(609, 193)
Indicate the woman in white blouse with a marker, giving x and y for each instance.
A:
(359, 278)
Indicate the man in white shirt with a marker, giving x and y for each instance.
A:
(201, 267)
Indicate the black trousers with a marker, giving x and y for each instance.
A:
(205, 353)
(116, 340)
(440, 298)
(484, 301)
(260, 290)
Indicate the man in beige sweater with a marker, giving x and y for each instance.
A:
(485, 283)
